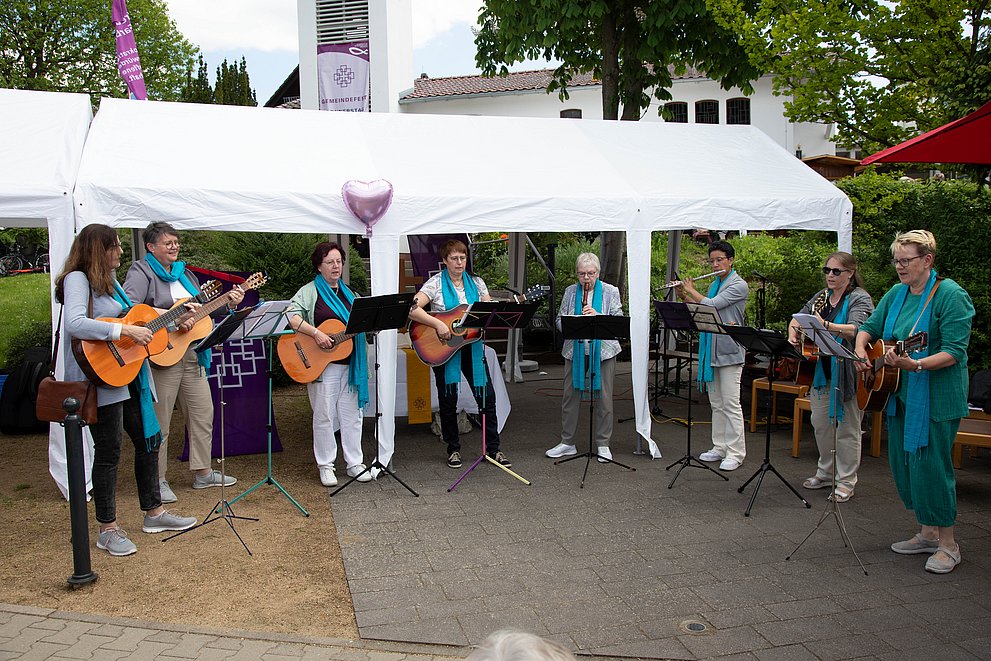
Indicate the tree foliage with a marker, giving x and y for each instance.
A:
(879, 70)
(232, 87)
(70, 47)
(632, 46)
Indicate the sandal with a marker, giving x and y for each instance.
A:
(842, 493)
(816, 482)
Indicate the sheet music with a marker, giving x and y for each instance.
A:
(268, 318)
(823, 338)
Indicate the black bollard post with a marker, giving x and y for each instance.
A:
(82, 573)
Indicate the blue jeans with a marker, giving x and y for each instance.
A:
(107, 436)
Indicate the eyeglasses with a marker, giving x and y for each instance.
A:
(169, 244)
(587, 274)
(716, 260)
(837, 272)
(903, 262)
(456, 258)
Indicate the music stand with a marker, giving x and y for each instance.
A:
(267, 322)
(776, 345)
(222, 509)
(829, 347)
(694, 318)
(593, 327)
(494, 315)
(371, 314)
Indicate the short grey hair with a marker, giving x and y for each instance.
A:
(510, 645)
(587, 258)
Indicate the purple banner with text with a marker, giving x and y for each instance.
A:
(128, 62)
(342, 76)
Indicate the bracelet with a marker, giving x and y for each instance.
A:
(918, 366)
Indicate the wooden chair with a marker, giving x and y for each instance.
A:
(787, 387)
(802, 404)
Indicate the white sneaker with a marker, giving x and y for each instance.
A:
(729, 464)
(711, 455)
(327, 477)
(604, 453)
(359, 470)
(561, 450)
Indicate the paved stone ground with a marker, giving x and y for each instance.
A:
(40, 633)
(623, 565)
(616, 569)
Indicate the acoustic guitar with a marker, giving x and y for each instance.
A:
(876, 385)
(433, 351)
(803, 371)
(304, 360)
(179, 340)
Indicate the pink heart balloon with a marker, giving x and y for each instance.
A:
(367, 200)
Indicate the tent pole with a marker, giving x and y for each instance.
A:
(517, 281)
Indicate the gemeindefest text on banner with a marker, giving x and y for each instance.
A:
(342, 76)
(128, 62)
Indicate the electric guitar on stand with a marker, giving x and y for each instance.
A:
(433, 351)
(876, 385)
(180, 340)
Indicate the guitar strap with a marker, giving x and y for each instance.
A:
(923, 310)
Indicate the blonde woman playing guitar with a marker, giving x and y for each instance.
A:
(924, 412)
(842, 306)
(452, 287)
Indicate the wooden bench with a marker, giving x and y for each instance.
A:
(802, 404)
(787, 387)
(974, 432)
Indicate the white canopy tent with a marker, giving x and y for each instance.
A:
(243, 169)
(43, 137)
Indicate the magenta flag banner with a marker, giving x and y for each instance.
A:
(128, 62)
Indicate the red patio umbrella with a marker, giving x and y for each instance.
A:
(966, 140)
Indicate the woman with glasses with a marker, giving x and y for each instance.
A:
(339, 394)
(583, 360)
(721, 358)
(88, 290)
(842, 307)
(925, 411)
(444, 291)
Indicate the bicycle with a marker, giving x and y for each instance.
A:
(15, 263)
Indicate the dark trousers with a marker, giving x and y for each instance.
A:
(447, 399)
(107, 436)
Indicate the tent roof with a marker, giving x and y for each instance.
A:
(965, 140)
(248, 169)
(43, 136)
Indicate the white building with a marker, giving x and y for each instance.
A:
(387, 26)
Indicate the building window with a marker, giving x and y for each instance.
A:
(677, 112)
(571, 113)
(738, 111)
(706, 112)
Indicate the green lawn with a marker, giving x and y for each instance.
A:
(24, 305)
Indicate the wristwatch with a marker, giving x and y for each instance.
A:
(918, 366)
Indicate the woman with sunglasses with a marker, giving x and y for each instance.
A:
(842, 306)
(925, 411)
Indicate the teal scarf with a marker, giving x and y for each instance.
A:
(917, 395)
(819, 380)
(149, 423)
(358, 370)
(595, 350)
(178, 273)
(706, 343)
(452, 368)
